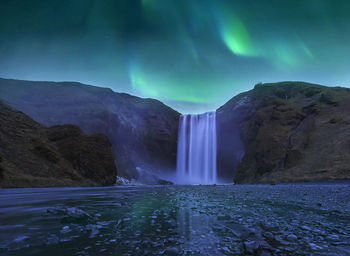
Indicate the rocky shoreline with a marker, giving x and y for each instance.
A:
(291, 219)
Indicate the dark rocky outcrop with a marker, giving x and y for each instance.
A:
(143, 132)
(291, 132)
(32, 155)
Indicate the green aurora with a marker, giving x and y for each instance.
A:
(193, 55)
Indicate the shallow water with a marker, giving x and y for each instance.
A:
(177, 220)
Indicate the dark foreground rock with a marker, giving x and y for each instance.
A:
(291, 132)
(143, 132)
(35, 156)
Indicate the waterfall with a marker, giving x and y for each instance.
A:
(196, 151)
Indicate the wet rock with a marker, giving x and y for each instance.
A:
(223, 217)
(172, 251)
(315, 246)
(94, 229)
(269, 226)
(345, 249)
(164, 182)
(21, 239)
(255, 247)
(218, 228)
(52, 239)
(333, 238)
(75, 215)
(268, 235)
(172, 222)
(65, 229)
(292, 238)
(306, 228)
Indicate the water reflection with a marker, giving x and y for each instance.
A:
(196, 231)
(175, 220)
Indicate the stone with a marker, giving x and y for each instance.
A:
(333, 238)
(65, 229)
(52, 239)
(268, 235)
(292, 238)
(315, 246)
(306, 228)
(21, 239)
(254, 247)
(172, 251)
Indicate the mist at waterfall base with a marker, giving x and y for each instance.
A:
(197, 149)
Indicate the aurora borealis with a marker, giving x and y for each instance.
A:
(193, 55)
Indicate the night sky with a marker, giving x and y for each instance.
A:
(193, 55)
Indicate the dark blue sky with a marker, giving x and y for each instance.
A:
(193, 55)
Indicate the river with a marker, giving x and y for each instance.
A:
(290, 219)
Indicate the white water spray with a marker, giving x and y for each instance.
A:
(196, 151)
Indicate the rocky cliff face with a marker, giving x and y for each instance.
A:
(291, 132)
(143, 132)
(35, 156)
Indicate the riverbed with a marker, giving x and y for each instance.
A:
(289, 219)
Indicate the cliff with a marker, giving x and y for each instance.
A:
(143, 132)
(32, 155)
(291, 132)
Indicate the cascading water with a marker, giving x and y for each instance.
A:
(196, 151)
